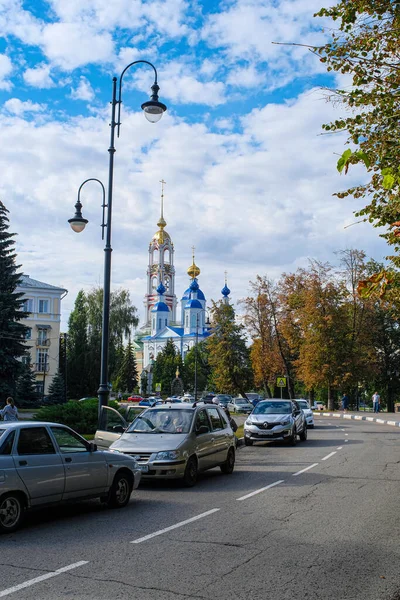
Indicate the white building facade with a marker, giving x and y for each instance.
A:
(43, 303)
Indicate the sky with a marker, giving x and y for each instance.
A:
(250, 175)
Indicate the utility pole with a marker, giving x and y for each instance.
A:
(195, 357)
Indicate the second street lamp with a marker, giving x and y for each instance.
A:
(153, 110)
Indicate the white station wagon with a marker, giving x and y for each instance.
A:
(48, 463)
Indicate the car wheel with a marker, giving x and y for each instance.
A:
(228, 466)
(12, 511)
(190, 475)
(120, 491)
(248, 442)
(303, 434)
(311, 426)
(293, 437)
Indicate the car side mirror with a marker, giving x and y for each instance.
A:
(118, 429)
(202, 429)
(92, 447)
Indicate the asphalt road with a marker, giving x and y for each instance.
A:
(315, 521)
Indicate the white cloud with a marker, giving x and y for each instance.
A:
(84, 91)
(246, 77)
(39, 76)
(5, 71)
(16, 107)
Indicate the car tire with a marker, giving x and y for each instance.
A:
(303, 434)
(293, 437)
(228, 466)
(120, 491)
(248, 442)
(12, 511)
(191, 472)
(310, 426)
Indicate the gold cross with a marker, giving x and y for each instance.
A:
(226, 276)
(193, 249)
(162, 197)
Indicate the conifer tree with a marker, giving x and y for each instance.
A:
(77, 349)
(127, 378)
(229, 356)
(165, 366)
(56, 393)
(12, 332)
(26, 393)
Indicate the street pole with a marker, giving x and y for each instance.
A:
(195, 357)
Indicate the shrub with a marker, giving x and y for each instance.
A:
(80, 416)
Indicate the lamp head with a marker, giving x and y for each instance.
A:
(78, 223)
(153, 108)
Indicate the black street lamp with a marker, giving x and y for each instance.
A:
(153, 111)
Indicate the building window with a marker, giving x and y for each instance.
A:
(42, 360)
(40, 388)
(187, 320)
(26, 360)
(27, 305)
(42, 336)
(159, 323)
(43, 306)
(166, 321)
(28, 334)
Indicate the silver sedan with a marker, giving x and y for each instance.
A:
(48, 463)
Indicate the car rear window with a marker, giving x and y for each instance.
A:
(302, 404)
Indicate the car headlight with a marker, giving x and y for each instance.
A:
(114, 450)
(248, 422)
(169, 455)
(286, 421)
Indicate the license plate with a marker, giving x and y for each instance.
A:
(143, 468)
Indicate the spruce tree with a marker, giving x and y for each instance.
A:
(56, 393)
(26, 393)
(127, 378)
(165, 366)
(12, 332)
(77, 349)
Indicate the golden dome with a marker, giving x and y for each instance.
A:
(193, 271)
(161, 236)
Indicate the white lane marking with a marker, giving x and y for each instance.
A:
(342, 430)
(30, 582)
(346, 434)
(181, 524)
(267, 487)
(340, 448)
(329, 423)
(346, 440)
(304, 470)
(328, 456)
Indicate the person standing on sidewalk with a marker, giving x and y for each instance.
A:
(345, 402)
(9, 412)
(376, 400)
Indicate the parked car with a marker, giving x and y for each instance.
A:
(222, 399)
(275, 420)
(305, 407)
(134, 398)
(253, 398)
(240, 405)
(187, 398)
(175, 399)
(149, 401)
(110, 427)
(49, 463)
(177, 441)
(318, 406)
(208, 397)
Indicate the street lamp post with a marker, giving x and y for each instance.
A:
(153, 110)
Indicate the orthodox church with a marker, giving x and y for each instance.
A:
(162, 322)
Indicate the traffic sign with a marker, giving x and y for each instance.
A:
(158, 387)
(281, 382)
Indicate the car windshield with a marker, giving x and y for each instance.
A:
(241, 401)
(302, 404)
(162, 421)
(2, 431)
(273, 408)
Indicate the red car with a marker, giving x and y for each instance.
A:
(134, 398)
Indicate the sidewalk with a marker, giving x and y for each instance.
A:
(382, 418)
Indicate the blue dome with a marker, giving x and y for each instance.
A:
(200, 295)
(194, 286)
(161, 289)
(193, 304)
(225, 291)
(186, 295)
(160, 307)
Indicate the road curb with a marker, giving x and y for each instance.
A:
(360, 418)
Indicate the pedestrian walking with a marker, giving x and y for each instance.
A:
(345, 402)
(376, 401)
(9, 412)
(119, 396)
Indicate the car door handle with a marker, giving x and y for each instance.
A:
(68, 459)
(23, 463)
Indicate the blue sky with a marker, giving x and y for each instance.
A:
(249, 176)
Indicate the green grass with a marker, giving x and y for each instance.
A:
(239, 431)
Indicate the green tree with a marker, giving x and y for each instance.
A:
(12, 332)
(365, 46)
(26, 394)
(165, 366)
(56, 393)
(229, 356)
(77, 349)
(203, 367)
(127, 378)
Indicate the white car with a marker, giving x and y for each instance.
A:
(308, 413)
